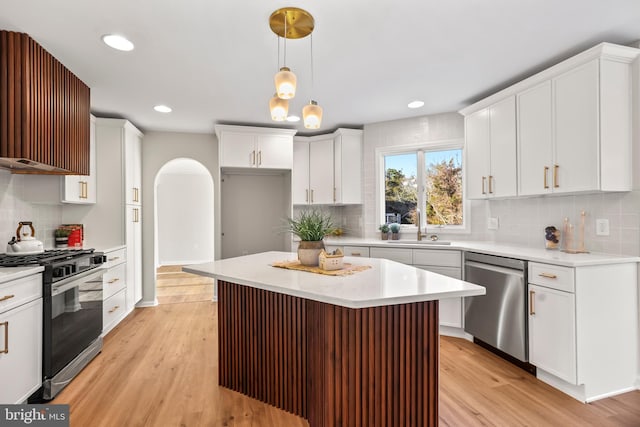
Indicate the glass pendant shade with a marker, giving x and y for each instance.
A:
(285, 83)
(279, 108)
(312, 115)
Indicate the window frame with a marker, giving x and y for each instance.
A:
(420, 149)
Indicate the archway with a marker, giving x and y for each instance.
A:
(184, 231)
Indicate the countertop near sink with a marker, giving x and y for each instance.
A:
(555, 257)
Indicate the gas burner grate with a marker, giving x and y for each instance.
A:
(42, 258)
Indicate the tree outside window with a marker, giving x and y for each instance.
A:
(439, 190)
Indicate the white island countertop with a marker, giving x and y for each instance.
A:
(385, 283)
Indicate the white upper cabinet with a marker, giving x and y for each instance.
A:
(491, 151)
(133, 165)
(347, 166)
(327, 169)
(81, 189)
(254, 147)
(573, 128)
(535, 136)
(300, 172)
(575, 131)
(321, 172)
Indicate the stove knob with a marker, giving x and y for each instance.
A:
(58, 271)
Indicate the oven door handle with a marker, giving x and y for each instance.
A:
(72, 282)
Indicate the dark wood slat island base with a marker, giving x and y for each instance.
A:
(333, 365)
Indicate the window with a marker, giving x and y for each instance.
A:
(427, 178)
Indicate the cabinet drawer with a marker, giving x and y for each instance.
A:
(362, 251)
(113, 309)
(437, 258)
(455, 272)
(114, 280)
(552, 276)
(115, 257)
(394, 254)
(20, 291)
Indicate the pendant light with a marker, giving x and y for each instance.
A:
(312, 112)
(291, 23)
(279, 108)
(285, 80)
(312, 115)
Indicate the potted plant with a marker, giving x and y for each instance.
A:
(395, 231)
(311, 227)
(62, 237)
(384, 231)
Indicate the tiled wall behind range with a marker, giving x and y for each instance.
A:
(14, 208)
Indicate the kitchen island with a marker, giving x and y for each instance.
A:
(354, 350)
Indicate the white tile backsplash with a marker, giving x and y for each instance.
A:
(14, 208)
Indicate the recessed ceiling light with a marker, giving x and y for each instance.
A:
(293, 119)
(162, 109)
(415, 104)
(117, 42)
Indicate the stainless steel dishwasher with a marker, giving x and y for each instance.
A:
(498, 318)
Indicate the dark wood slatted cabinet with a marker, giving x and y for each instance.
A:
(44, 110)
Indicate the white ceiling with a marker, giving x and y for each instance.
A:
(213, 61)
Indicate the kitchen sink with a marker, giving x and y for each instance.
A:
(425, 242)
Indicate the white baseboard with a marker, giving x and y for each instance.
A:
(451, 331)
(575, 391)
(146, 303)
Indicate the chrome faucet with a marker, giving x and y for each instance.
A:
(420, 233)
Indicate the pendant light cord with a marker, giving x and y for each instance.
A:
(284, 62)
(312, 79)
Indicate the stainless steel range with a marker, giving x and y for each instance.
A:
(72, 318)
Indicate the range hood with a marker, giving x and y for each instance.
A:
(44, 111)
(29, 166)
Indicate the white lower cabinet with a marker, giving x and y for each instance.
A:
(114, 309)
(20, 339)
(445, 262)
(552, 331)
(583, 328)
(114, 281)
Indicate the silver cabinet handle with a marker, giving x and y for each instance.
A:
(260, 158)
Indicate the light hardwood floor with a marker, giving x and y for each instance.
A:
(175, 286)
(159, 368)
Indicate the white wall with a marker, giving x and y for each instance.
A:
(184, 208)
(158, 148)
